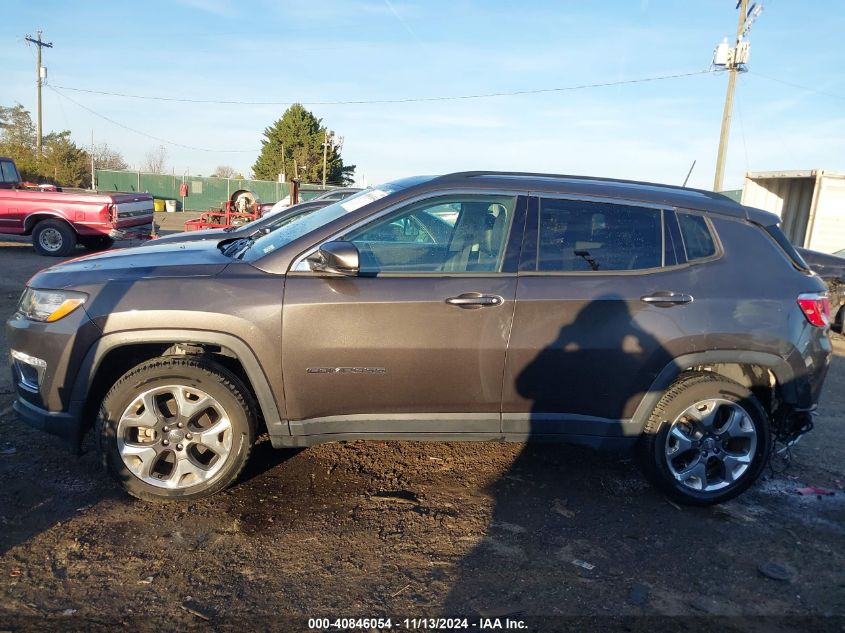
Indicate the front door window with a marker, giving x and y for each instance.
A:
(455, 234)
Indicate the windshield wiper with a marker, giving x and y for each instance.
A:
(236, 247)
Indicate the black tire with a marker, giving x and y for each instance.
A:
(839, 321)
(54, 238)
(96, 243)
(191, 372)
(689, 389)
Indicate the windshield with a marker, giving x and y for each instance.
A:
(299, 225)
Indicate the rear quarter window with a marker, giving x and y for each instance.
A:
(697, 236)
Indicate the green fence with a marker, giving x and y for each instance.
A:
(203, 193)
(733, 194)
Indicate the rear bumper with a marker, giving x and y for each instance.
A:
(144, 232)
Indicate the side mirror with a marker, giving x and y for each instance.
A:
(335, 257)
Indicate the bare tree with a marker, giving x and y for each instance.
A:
(107, 158)
(225, 171)
(155, 162)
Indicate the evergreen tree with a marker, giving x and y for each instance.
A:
(297, 139)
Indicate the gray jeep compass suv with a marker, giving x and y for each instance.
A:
(472, 306)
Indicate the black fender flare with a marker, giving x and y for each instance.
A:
(779, 366)
(109, 342)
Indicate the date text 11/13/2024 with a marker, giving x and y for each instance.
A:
(415, 624)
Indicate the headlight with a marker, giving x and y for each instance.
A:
(49, 305)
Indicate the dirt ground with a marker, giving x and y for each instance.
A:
(417, 530)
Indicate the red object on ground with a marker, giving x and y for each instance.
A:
(813, 490)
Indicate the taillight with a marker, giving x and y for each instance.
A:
(816, 307)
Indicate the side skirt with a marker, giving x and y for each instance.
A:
(602, 443)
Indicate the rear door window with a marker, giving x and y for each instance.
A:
(581, 236)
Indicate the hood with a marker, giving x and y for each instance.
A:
(182, 259)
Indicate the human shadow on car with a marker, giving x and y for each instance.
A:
(557, 503)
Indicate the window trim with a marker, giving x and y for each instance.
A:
(672, 230)
(300, 266)
(539, 196)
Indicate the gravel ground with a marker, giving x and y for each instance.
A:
(407, 529)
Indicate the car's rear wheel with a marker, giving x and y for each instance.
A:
(707, 440)
(176, 428)
(96, 242)
(53, 238)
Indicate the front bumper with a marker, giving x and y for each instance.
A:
(43, 394)
(66, 424)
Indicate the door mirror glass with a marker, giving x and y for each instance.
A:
(335, 257)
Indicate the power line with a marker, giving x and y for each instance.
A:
(150, 136)
(799, 86)
(487, 95)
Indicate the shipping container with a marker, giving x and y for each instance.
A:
(811, 205)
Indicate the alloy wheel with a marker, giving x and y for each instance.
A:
(174, 436)
(710, 445)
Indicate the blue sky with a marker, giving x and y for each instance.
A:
(378, 49)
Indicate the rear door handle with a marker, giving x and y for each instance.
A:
(667, 299)
(472, 300)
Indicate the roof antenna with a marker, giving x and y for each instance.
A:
(689, 173)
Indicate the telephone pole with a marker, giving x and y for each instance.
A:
(40, 74)
(325, 149)
(93, 172)
(734, 62)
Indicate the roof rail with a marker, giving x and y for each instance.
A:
(461, 175)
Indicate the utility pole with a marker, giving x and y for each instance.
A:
(93, 174)
(325, 149)
(40, 74)
(733, 61)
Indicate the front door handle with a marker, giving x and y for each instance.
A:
(667, 299)
(472, 300)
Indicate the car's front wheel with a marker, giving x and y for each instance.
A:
(176, 428)
(706, 441)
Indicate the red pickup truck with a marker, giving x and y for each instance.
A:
(59, 220)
